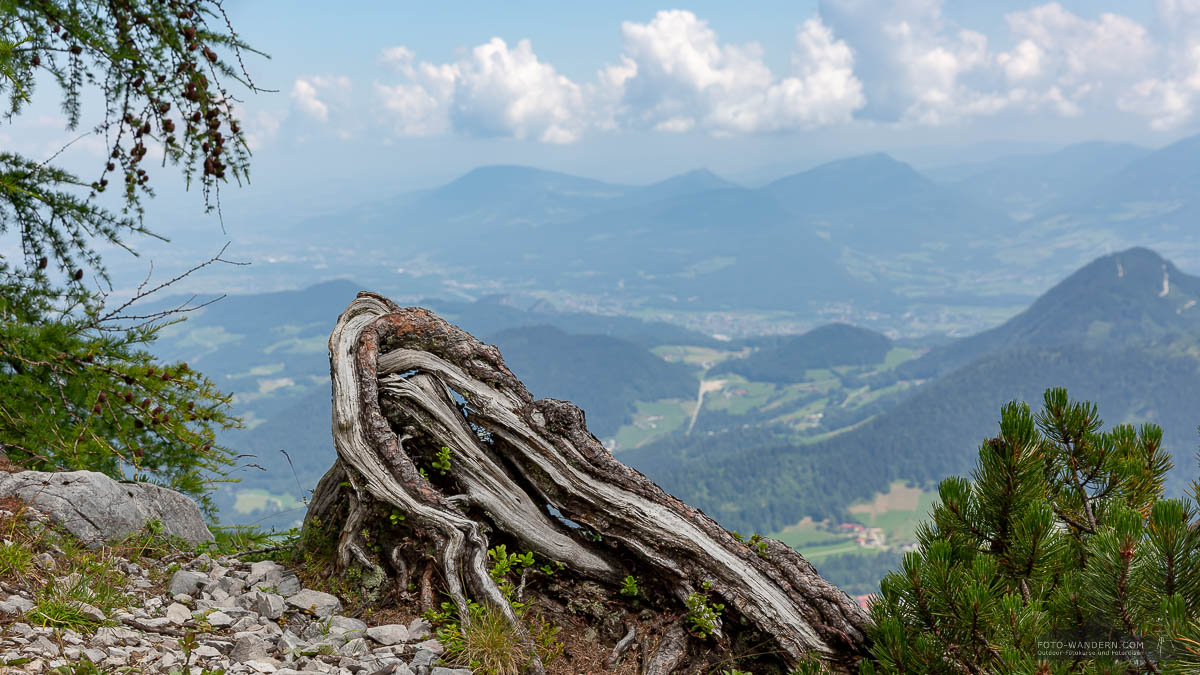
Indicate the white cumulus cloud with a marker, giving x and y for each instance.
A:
(495, 91)
(312, 94)
(676, 75)
(897, 61)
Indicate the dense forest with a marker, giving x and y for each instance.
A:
(605, 376)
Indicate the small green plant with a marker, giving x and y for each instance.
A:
(442, 461)
(15, 558)
(187, 643)
(504, 562)
(629, 586)
(152, 541)
(84, 667)
(759, 543)
(236, 539)
(395, 517)
(703, 616)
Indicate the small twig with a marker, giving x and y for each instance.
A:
(623, 646)
(521, 587)
(114, 315)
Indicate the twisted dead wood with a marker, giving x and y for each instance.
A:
(406, 381)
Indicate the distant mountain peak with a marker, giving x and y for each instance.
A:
(1138, 270)
(503, 179)
(691, 182)
(1133, 297)
(863, 171)
(875, 161)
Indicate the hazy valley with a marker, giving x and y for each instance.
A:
(813, 353)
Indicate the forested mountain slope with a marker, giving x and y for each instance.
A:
(1131, 298)
(1108, 335)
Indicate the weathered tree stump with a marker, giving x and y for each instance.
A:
(406, 383)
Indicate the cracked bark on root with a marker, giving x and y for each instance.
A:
(405, 380)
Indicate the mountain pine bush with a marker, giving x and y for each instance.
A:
(1059, 555)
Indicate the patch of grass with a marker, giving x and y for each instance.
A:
(15, 558)
(488, 643)
(151, 542)
(653, 420)
(84, 577)
(898, 355)
(59, 612)
(898, 511)
(78, 574)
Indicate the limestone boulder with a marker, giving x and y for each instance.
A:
(97, 509)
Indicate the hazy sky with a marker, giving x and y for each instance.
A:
(618, 89)
(377, 97)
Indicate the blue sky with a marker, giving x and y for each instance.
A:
(627, 90)
(378, 97)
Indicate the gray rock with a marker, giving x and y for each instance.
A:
(43, 645)
(441, 670)
(346, 628)
(97, 509)
(289, 641)
(16, 604)
(269, 605)
(356, 647)
(177, 613)
(319, 604)
(266, 572)
(423, 659)
(249, 648)
(433, 646)
(419, 629)
(246, 623)
(220, 620)
(185, 582)
(92, 612)
(206, 652)
(231, 585)
(389, 634)
(288, 585)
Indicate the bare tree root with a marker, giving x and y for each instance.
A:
(407, 385)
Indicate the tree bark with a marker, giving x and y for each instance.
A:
(407, 383)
